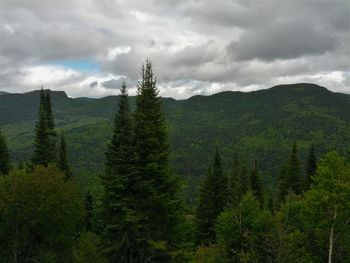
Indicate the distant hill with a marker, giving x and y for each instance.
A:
(262, 124)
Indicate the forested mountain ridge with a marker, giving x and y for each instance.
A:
(262, 124)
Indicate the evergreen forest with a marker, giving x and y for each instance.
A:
(233, 177)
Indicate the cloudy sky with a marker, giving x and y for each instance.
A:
(87, 47)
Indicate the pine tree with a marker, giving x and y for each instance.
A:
(293, 177)
(62, 162)
(121, 218)
(48, 112)
(310, 167)
(256, 184)
(159, 200)
(89, 211)
(45, 141)
(238, 182)
(282, 188)
(234, 184)
(212, 201)
(50, 125)
(5, 164)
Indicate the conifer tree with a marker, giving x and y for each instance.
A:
(45, 141)
(49, 115)
(310, 167)
(159, 201)
(256, 184)
(62, 162)
(234, 182)
(238, 182)
(294, 180)
(282, 188)
(89, 211)
(120, 201)
(5, 164)
(212, 201)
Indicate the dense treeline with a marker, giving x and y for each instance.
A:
(139, 215)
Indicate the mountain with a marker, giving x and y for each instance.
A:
(262, 124)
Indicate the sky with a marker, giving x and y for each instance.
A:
(87, 48)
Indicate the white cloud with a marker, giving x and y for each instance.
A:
(113, 53)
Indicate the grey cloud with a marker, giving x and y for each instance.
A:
(113, 83)
(93, 84)
(282, 41)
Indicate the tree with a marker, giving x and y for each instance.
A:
(120, 200)
(328, 203)
(238, 183)
(62, 162)
(45, 140)
(49, 116)
(89, 211)
(310, 167)
(88, 249)
(256, 184)
(5, 164)
(159, 201)
(40, 216)
(293, 176)
(244, 232)
(212, 200)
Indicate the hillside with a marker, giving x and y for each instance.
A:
(264, 122)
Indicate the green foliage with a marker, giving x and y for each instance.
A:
(88, 249)
(158, 199)
(62, 162)
(212, 200)
(40, 213)
(310, 168)
(256, 184)
(328, 203)
(5, 164)
(209, 254)
(322, 217)
(120, 215)
(238, 183)
(244, 232)
(89, 211)
(45, 136)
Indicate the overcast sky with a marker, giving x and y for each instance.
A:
(87, 47)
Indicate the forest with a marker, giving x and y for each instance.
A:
(146, 200)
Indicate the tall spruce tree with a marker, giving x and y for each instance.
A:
(62, 162)
(121, 216)
(45, 139)
(256, 184)
(5, 164)
(294, 179)
(282, 187)
(238, 183)
(159, 200)
(310, 168)
(89, 211)
(212, 201)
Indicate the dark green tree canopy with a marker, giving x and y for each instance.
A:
(212, 200)
(120, 195)
(5, 163)
(159, 200)
(256, 184)
(294, 178)
(62, 162)
(310, 167)
(45, 136)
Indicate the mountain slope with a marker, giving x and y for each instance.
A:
(262, 124)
